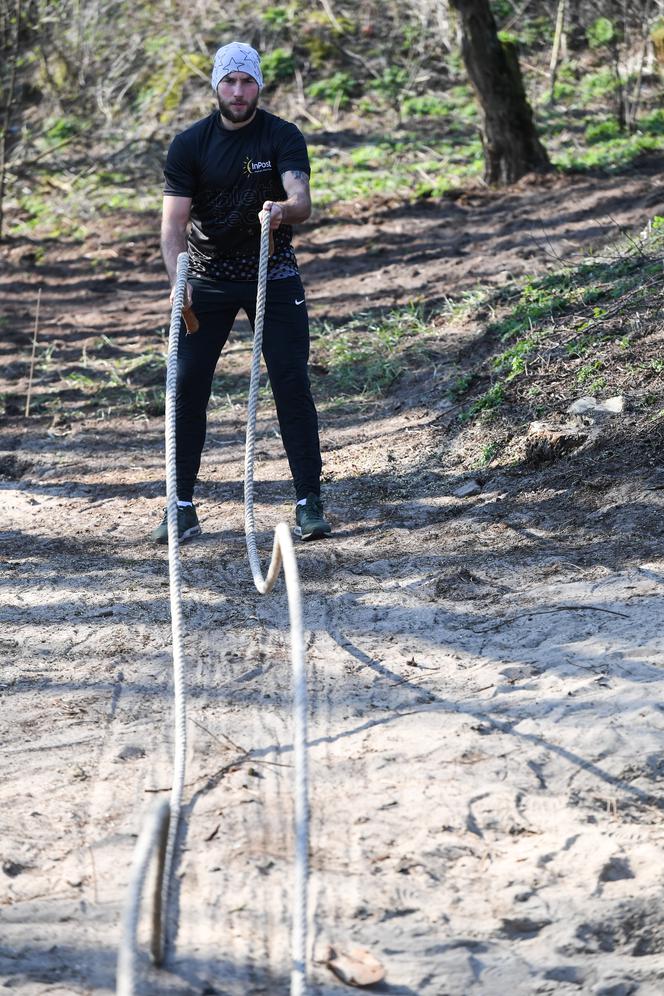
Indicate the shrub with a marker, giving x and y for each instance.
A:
(427, 106)
(502, 9)
(276, 17)
(391, 84)
(277, 65)
(653, 123)
(602, 131)
(337, 89)
(602, 32)
(598, 84)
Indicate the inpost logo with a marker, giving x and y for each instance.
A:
(251, 167)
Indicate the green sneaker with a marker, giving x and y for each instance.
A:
(188, 526)
(310, 521)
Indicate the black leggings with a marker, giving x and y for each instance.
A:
(286, 353)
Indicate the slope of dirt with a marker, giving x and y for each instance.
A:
(485, 671)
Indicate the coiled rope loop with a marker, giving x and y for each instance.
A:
(160, 829)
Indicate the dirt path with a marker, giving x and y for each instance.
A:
(485, 672)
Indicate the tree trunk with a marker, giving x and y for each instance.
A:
(6, 117)
(511, 145)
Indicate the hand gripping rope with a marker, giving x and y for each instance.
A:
(160, 828)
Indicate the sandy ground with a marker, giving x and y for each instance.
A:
(485, 672)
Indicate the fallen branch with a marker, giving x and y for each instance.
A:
(32, 358)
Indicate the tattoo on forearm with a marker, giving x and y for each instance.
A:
(297, 174)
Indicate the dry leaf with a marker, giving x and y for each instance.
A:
(357, 967)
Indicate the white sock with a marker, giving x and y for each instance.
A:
(185, 504)
(302, 501)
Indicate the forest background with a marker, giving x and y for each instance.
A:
(91, 93)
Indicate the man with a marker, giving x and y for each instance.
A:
(220, 173)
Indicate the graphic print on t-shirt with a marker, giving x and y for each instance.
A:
(256, 167)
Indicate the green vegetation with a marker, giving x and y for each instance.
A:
(486, 403)
(391, 85)
(602, 32)
(426, 106)
(577, 326)
(335, 90)
(368, 354)
(602, 131)
(489, 453)
(161, 93)
(278, 65)
(101, 381)
(71, 213)
(384, 79)
(406, 167)
(461, 384)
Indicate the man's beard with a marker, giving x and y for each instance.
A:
(237, 114)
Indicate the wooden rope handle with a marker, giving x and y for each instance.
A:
(190, 319)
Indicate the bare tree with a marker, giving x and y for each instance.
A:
(11, 30)
(511, 145)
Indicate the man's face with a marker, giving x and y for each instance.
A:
(237, 94)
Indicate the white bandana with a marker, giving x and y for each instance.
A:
(236, 58)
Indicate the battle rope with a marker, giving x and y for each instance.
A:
(174, 573)
(153, 834)
(282, 551)
(166, 827)
(160, 830)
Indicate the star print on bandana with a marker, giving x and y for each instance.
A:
(236, 58)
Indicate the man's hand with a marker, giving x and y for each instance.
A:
(276, 213)
(190, 319)
(187, 296)
(297, 207)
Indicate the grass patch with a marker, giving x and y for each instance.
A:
(486, 404)
(609, 154)
(488, 453)
(366, 356)
(590, 329)
(58, 209)
(407, 167)
(102, 380)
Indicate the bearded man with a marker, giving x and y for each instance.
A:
(220, 173)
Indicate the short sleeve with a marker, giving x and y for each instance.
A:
(179, 171)
(292, 151)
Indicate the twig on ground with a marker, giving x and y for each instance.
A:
(199, 778)
(32, 357)
(247, 755)
(542, 612)
(241, 750)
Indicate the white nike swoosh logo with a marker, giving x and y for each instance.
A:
(300, 302)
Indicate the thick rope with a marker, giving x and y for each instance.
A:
(154, 830)
(161, 829)
(282, 551)
(179, 688)
(153, 834)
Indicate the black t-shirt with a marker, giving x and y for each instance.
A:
(229, 174)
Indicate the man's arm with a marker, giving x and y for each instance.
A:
(174, 221)
(297, 207)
